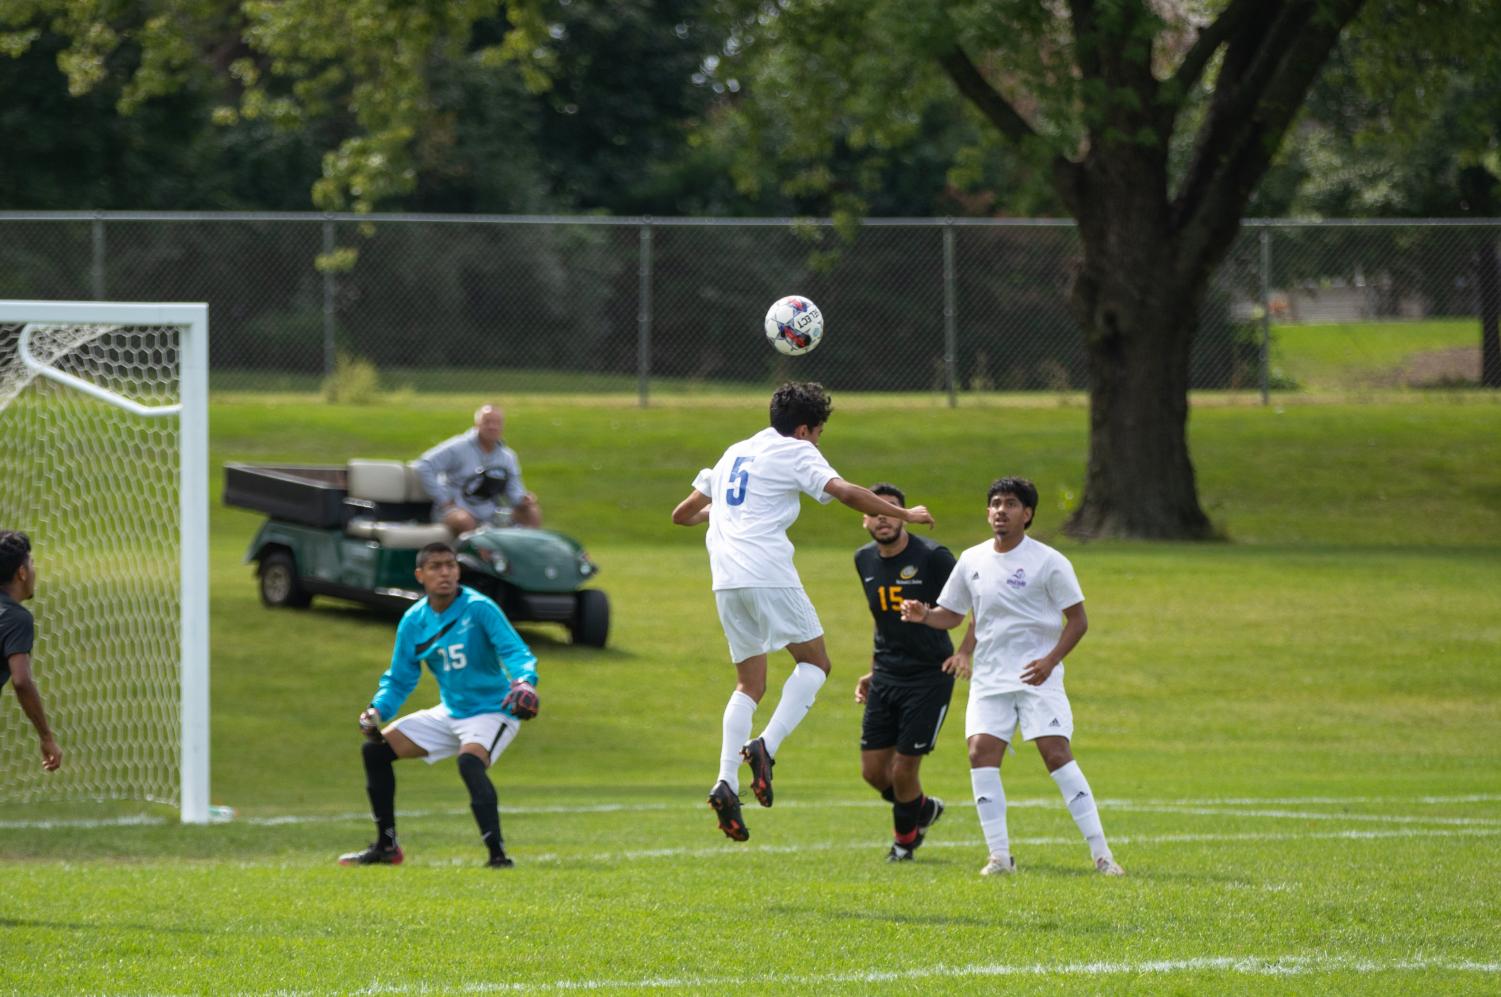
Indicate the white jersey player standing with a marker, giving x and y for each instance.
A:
(1028, 615)
(749, 498)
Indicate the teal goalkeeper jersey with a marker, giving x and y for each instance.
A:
(471, 649)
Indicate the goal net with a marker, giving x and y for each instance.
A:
(103, 464)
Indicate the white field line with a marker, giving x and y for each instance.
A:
(1277, 966)
(1206, 806)
(727, 850)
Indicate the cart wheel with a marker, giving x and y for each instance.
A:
(591, 618)
(279, 584)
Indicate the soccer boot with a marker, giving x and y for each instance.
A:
(931, 812)
(375, 854)
(499, 860)
(1107, 866)
(999, 867)
(899, 854)
(727, 807)
(934, 810)
(760, 761)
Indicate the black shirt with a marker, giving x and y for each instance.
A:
(905, 651)
(15, 633)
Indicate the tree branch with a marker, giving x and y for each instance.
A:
(1268, 70)
(973, 85)
(1230, 21)
(978, 91)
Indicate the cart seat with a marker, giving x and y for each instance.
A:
(385, 496)
(385, 481)
(400, 536)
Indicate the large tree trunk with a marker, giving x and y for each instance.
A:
(1139, 322)
(1488, 274)
(1477, 191)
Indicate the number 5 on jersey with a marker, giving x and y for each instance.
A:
(738, 483)
(453, 657)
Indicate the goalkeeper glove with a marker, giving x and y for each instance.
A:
(522, 700)
(370, 724)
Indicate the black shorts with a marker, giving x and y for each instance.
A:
(907, 717)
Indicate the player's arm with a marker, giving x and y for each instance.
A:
(692, 510)
(936, 617)
(962, 661)
(515, 658)
(862, 499)
(1075, 623)
(396, 684)
(30, 698)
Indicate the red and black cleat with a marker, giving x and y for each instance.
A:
(727, 808)
(760, 762)
(375, 854)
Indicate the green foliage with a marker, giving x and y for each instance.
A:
(355, 381)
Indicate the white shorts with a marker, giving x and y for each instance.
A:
(440, 734)
(1040, 712)
(757, 621)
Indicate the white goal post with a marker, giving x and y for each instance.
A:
(104, 464)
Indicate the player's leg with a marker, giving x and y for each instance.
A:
(743, 632)
(380, 787)
(880, 730)
(988, 725)
(1048, 720)
(922, 709)
(789, 620)
(484, 738)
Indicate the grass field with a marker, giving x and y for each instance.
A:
(1294, 737)
(1366, 355)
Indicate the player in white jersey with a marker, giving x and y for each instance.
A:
(749, 498)
(1028, 615)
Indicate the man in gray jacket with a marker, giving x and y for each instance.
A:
(473, 476)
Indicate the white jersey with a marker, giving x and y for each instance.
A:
(755, 493)
(1018, 599)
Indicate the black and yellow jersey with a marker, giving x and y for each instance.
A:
(905, 651)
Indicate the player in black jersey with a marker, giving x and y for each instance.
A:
(17, 584)
(906, 693)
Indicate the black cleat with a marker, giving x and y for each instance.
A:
(931, 813)
(500, 860)
(760, 761)
(899, 854)
(727, 806)
(375, 854)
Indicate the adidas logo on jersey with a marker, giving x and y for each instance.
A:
(1055, 723)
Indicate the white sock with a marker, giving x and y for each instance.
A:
(737, 727)
(990, 803)
(797, 699)
(1080, 801)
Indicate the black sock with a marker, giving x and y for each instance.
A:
(904, 818)
(888, 795)
(482, 802)
(380, 784)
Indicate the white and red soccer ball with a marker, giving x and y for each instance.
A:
(794, 325)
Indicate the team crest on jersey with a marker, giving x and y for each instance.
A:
(906, 573)
(1018, 579)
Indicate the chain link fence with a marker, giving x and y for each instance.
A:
(502, 304)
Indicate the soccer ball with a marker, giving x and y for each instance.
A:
(794, 325)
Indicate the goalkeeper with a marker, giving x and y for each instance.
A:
(486, 683)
